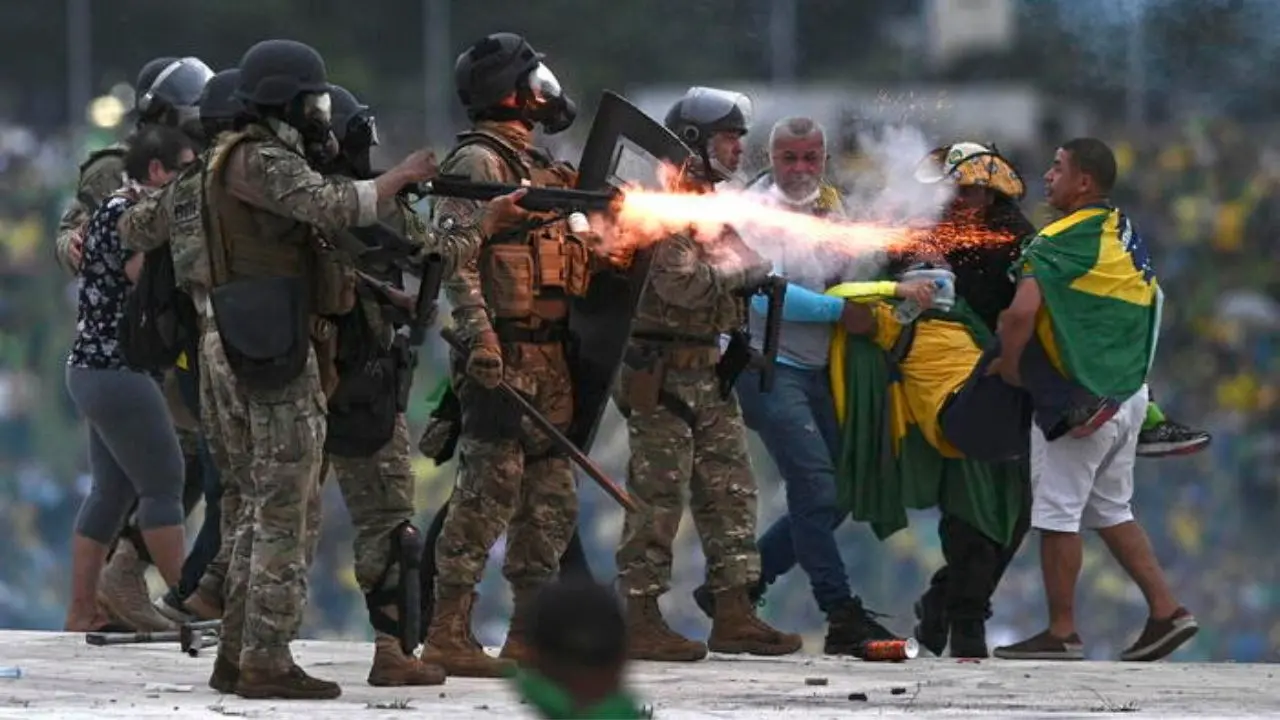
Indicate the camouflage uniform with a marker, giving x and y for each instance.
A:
(510, 477)
(175, 215)
(682, 431)
(378, 487)
(263, 206)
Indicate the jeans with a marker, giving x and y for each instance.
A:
(210, 537)
(797, 422)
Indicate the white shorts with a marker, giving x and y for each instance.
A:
(1087, 482)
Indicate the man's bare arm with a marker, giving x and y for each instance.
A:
(1015, 327)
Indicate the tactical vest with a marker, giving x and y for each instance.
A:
(527, 278)
(247, 242)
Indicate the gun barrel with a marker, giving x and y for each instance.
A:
(536, 199)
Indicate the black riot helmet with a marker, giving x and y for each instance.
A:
(704, 111)
(274, 72)
(701, 113)
(287, 79)
(352, 120)
(494, 67)
(354, 126)
(177, 86)
(218, 103)
(147, 75)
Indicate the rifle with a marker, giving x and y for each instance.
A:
(588, 465)
(739, 355)
(536, 199)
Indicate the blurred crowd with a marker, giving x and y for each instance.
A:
(1207, 195)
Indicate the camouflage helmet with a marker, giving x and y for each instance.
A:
(971, 164)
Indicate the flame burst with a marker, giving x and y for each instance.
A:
(646, 217)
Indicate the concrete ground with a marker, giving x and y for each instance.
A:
(65, 678)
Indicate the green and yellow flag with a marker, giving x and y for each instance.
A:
(886, 465)
(1100, 318)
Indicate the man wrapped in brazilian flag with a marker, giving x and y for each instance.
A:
(923, 419)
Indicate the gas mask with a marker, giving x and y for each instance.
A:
(357, 145)
(545, 101)
(311, 114)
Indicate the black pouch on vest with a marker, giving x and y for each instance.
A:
(263, 326)
(362, 411)
(364, 405)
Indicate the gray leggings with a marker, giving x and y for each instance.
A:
(133, 452)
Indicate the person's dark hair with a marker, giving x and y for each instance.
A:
(578, 623)
(1093, 158)
(155, 142)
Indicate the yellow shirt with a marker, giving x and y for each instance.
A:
(942, 357)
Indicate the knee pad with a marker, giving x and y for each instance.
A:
(406, 552)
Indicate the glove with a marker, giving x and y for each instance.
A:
(484, 364)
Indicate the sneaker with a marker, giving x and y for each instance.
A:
(1083, 420)
(1171, 438)
(1161, 637)
(931, 628)
(1043, 647)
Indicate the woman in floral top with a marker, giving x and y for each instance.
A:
(133, 451)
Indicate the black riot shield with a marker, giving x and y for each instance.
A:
(624, 146)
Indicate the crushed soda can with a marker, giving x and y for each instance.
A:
(890, 650)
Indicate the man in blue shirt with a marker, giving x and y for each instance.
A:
(797, 420)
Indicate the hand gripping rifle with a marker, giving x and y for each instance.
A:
(536, 199)
(594, 471)
(739, 355)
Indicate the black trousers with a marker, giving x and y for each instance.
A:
(974, 566)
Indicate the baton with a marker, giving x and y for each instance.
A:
(611, 488)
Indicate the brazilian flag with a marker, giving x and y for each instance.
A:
(1100, 318)
(886, 465)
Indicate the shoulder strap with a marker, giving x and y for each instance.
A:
(902, 346)
(508, 154)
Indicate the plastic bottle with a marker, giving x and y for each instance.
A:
(11, 673)
(908, 310)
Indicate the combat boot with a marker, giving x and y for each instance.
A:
(516, 648)
(850, 625)
(736, 629)
(393, 668)
(225, 675)
(122, 591)
(450, 643)
(289, 684)
(650, 638)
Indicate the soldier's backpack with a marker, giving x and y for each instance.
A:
(159, 319)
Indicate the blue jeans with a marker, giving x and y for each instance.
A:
(797, 422)
(210, 537)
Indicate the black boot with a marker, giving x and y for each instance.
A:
(968, 639)
(850, 625)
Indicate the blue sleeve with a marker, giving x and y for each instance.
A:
(803, 305)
